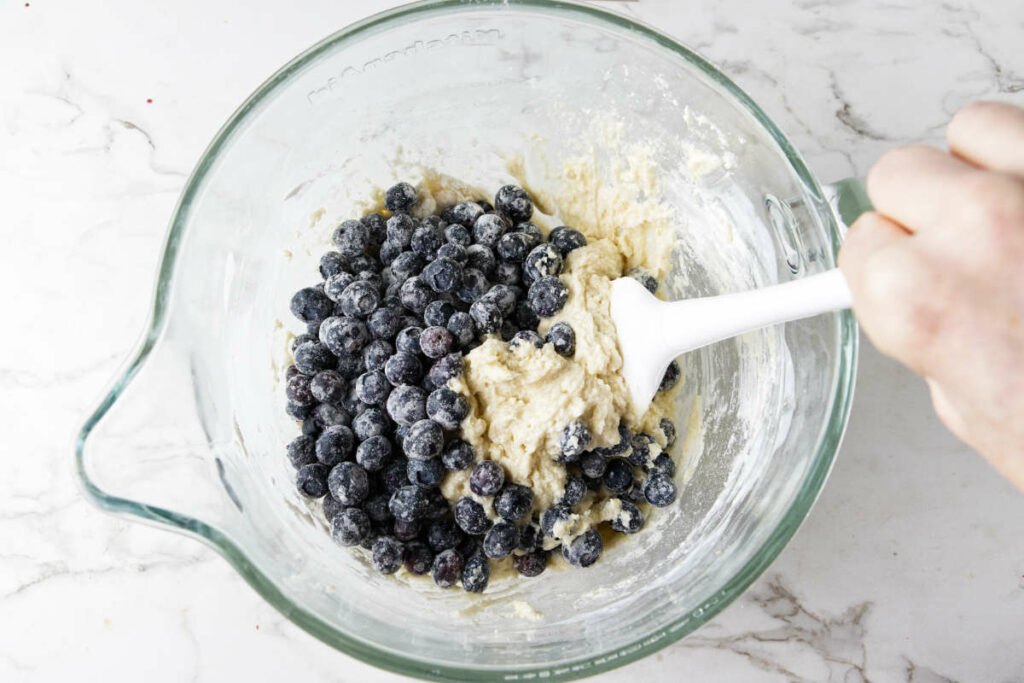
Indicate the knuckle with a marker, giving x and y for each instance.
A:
(994, 198)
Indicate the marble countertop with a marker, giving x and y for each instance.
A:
(910, 568)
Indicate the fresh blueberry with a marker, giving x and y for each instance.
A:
(310, 305)
(409, 503)
(563, 338)
(408, 340)
(336, 285)
(405, 530)
(475, 574)
(406, 265)
(384, 323)
(620, 448)
(668, 428)
(462, 327)
(486, 316)
(400, 197)
(513, 201)
(487, 478)
(443, 535)
(349, 483)
(302, 451)
(344, 335)
(513, 247)
(298, 391)
(575, 439)
(351, 238)
(487, 231)
(524, 339)
(296, 343)
(447, 408)
(458, 234)
(471, 517)
(447, 569)
(502, 296)
(438, 312)
(532, 232)
(501, 540)
(566, 239)
(457, 455)
(407, 404)
(426, 240)
(640, 449)
(524, 316)
(474, 285)
(351, 403)
(465, 214)
(436, 341)
(376, 354)
(584, 550)
(425, 472)
(387, 554)
(350, 526)
(331, 507)
(389, 251)
(416, 294)
(311, 480)
(593, 464)
(649, 282)
(329, 415)
(394, 476)
(671, 376)
(575, 489)
(400, 228)
(618, 475)
(514, 501)
(327, 386)
(369, 422)
(481, 257)
(350, 365)
(547, 296)
(424, 441)
(443, 274)
(297, 412)
(360, 299)
(332, 263)
(660, 490)
(629, 520)
(373, 453)
(543, 260)
(362, 264)
(530, 564)
(554, 516)
(372, 388)
(403, 368)
(336, 444)
(376, 228)
(455, 253)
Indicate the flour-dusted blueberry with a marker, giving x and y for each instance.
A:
(620, 448)
(403, 368)
(297, 412)
(387, 554)
(447, 408)
(351, 403)
(416, 294)
(543, 260)
(394, 476)
(408, 340)
(574, 440)
(329, 414)
(389, 251)
(332, 263)
(486, 317)
(663, 464)
(593, 464)
(584, 550)
(575, 489)
(405, 530)
(384, 323)
(462, 327)
(373, 453)
(443, 534)
(443, 274)
(640, 449)
(328, 386)
(458, 234)
(635, 493)
(409, 503)
(502, 296)
(364, 263)
(360, 299)
(514, 501)
(471, 517)
(530, 564)
(376, 354)
(447, 569)
(525, 317)
(376, 507)
(660, 490)
(310, 305)
(350, 526)
(344, 335)
(406, 265)
(534, 234)
(311, 480)
(507, 273)
(465, 214)
(487, 478)
(649, 282)
(336, 285)
(671, 376)
(376, 227)
(370, 422)
(438, 507)
(438, 312)
(474, 285)
(547, 296)
(427, 385)
(453, 252)
(351, 238)
(350, 365)
(488, 230)
(425, 472)
(457, 455)
(513, 247)
(407, 404)
(524, 339)
(400, 228)
(531, 537)
(426, 240)
(302, 451)
(424, 441)
(514, 202)
(349, 483)
(566, 239)
(482, 258)
(436, 341)
(552, 519)
(400, 197)
(668, 428)
(618, 475)
(476, 574)
(501, 539)
(330, 507)
(563, 338)
(334, 445)
(298, 390)
(629, 520)
(299, 341)
(372, 388)
(419, 558)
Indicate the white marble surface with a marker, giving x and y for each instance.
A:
(911, 567)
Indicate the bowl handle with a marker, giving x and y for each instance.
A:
(848, 199)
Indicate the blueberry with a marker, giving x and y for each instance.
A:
(376, 507)
(447, 408)
(458, 234)
(311, 480)
(584, 550)
(336, 285)
(487, 478)
(457, 455)
(350, 365)
(575, 489)
(298, 391)
(551, 518)
(416, 294)
(425, 472)
(524, 316)
(475, 574)
(297, 412)
(566, 239)
(369, 422)
(389, 251)
(640, 449)
(406, 265)
(547, 296)
(438, 507)
(671, 376)
(487, 231)
(447, 569)
(409, 503)
(465, 214)
(470, 516)
(372, 388)
(474, 285)
(394, 476)
(376, 228)
(403, 368)
(436, 341)
(462, 327)
(575, 439)
(625, 440)
(563, 338)
(384, 323)
(506, 273)
(524, 339)
(629, 520)
(443, 535)
(350, 526)
(424, 441)
(486, 316)
(471, 546)
(351, 403)
(302, 451)
(426, 240)
(531, 537)
(482, 258)
(513, 201)
(593, 464)
(328, 415)
(453, 252)
(362, 264)
(331, 507)
(326, 386)
(359, 299)
(635, 493)
(400, 197)
(514, 501)
(344, 335)
(387, 554)
(376, 354)
(501, 540)
(668, 428)
(332, 263)
(660, 490)
(310, 305)
(543, 260)
(502, 296)
(349, 483)
(407, 404)
(373, 453)
(532, 232)
(406, 531)
(296, 343)
(513, 247)
(438, 313)
(618, 475)
(427, 385)
(649, 282)
(400, 228)
(351, 238)
(443, 274)
(530, 564)
(408, 340)
(336, 444)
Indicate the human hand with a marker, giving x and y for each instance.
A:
(937, 274)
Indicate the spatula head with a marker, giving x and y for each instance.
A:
(645, 354)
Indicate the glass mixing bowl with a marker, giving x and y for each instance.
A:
(192, 435)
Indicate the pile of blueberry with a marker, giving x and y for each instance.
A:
(401, 300)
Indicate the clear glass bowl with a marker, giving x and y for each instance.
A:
(192, 434)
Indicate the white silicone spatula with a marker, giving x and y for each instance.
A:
(652, 332)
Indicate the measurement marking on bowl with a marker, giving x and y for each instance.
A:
(479, 36)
